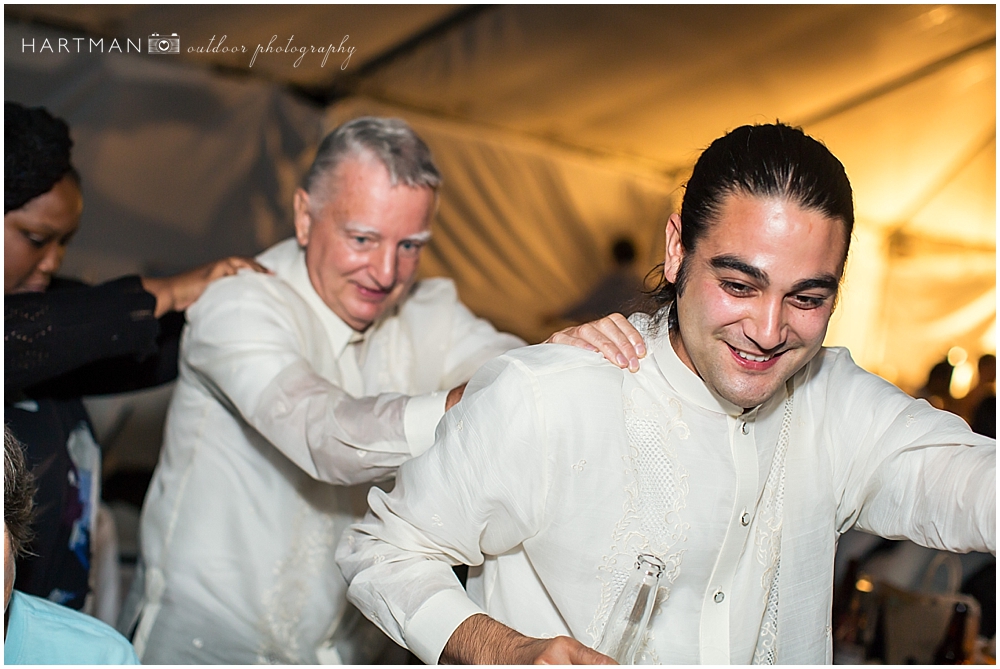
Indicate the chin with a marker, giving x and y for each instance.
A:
(749, 398)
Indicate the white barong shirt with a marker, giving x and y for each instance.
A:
(282, 417)
(557, 469)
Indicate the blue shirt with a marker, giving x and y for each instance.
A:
(42, 632)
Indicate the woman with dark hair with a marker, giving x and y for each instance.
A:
(64, 339)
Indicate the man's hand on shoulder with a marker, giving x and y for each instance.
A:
(612, 336)
(482, 640)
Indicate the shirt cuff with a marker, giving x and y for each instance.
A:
(420, 418)
(429, 629)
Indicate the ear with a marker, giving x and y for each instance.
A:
(303, 217)
(674, 253)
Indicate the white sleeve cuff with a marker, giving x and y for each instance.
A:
(428, 630)
(420, 419)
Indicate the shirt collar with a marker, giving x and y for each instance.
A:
(16, 628)
(686, 382)
(339, 333)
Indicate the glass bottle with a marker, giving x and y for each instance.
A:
(630, 615)
(952, 648)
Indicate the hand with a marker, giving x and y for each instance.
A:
(612, 335)
(178, 292)
(482, 640)
(454, 396)
(561, 650)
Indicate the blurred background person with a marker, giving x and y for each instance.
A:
(617, 292)
(937, 389)
(980, 405)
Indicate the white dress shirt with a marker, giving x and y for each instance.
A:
(557, 469)
(277, 399)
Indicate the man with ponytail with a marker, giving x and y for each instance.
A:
(737, 455)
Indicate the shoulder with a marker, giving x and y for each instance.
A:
(280, 256)
(431, 293)
(249, 285)
(250, 309)
(552, 363)
(834, 366)
(54, 634)
(245, 292)
(836, 382)
(429, 308)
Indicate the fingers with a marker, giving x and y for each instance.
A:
(628, 340)
(238, 262)
(569, 338)
(611, 343)
(583, 655)
(612, 336)
(565, 650)
(232, 265)
(631, 334)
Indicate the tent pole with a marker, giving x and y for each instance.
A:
(345, 86)
(900, 82)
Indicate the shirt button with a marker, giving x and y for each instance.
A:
(745, 519)
(719, 596)
(745, 429)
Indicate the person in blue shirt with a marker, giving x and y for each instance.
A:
(35, 630)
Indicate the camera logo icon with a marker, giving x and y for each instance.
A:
(161, 44)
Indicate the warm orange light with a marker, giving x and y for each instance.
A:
(957, 355)
(961, 380)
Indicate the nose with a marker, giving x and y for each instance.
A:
(383, 266)
(52, 260)
(766, 325)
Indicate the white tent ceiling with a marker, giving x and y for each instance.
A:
(559, 127)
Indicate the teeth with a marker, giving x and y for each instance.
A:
(754, 358)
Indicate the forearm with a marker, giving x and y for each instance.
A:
(483, 640)
(332, 436)
(50, 334)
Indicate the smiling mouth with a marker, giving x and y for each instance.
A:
(754, 358)
(372, 293)
(756, 361)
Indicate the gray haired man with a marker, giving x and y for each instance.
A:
(297, 390)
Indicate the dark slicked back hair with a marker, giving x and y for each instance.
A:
(391, 141)
(18, 491)
(36, 154)
(765, 161)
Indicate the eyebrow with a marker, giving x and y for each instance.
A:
(422, 237)
(357, 229)
(731, 262)
(737, 265)
(825, 282)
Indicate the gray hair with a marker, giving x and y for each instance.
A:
(18, 491)
(389, 140)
